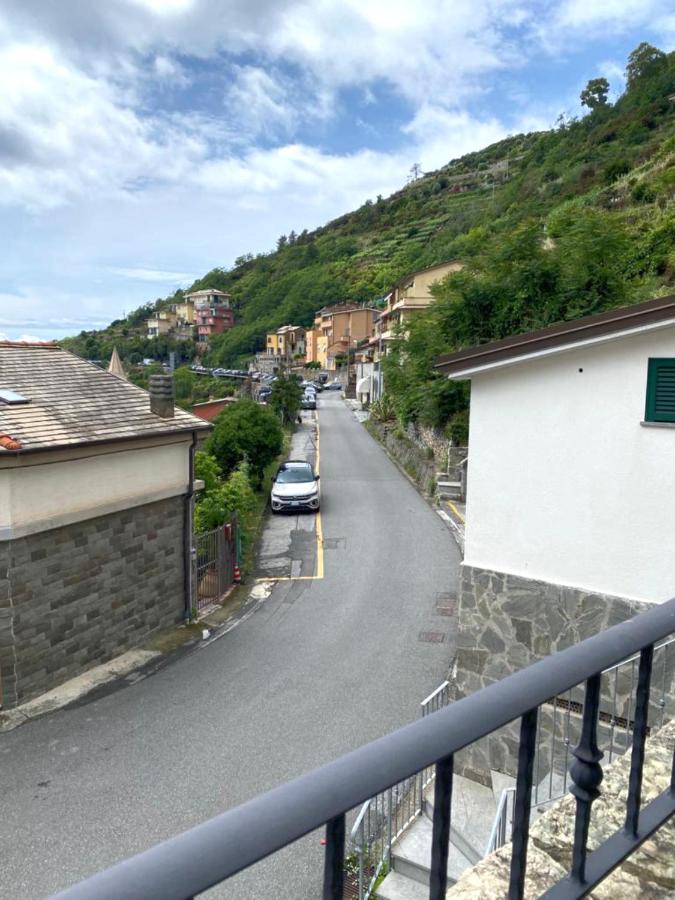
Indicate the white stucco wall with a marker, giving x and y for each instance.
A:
(38, 497)
(565, 485)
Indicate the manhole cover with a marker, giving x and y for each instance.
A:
(431, 637)
(334, 543)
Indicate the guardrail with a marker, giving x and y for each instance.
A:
(217, 849)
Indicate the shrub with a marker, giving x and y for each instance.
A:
(246, 432)
(457, 428)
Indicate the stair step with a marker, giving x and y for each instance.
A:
(449, 484)
(411, 855)
(473, 814)
(397, 887)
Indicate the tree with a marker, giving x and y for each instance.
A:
(595, 93)
(285, 398)
(246, 432)
(644, 60)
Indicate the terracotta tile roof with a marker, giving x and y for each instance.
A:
(72, 401)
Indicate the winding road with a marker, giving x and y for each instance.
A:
(322, 665)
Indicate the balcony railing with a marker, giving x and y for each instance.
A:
(217, 849)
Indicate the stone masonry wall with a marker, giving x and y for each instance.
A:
(79, 595)
(649, 872)
(505, 623)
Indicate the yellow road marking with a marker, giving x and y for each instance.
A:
(456, 511)
(319, 530)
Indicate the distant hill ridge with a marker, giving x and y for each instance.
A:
(619, 159)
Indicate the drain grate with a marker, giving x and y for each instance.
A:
(448, 608)
(431, 637)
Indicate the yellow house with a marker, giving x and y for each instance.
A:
(410, 295)
(185, 312)
(162, 323)
(287, 342)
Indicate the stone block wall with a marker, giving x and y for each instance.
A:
(76, 596)
(506, 623)
(649, 872)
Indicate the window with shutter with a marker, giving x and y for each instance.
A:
(660, 391)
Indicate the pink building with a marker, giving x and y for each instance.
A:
(213, 313)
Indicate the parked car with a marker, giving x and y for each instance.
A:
(295, 486)
(308, 402)
(317, 385)
(335, 386)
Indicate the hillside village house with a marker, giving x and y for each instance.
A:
(338, 329)
(95, 515)
(571, 479)
(286, 343)
(178, 321)
(409, 296)
(213, 312)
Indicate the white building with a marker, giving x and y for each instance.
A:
(571, 480)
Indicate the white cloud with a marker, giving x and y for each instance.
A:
(154, 275)
(259, 102)
(63, 133)
(170, 72)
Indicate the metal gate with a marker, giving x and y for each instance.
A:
(215, 559)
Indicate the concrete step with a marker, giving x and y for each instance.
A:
(411, 855)
(448, 485)
(397, 887)
(473, 814)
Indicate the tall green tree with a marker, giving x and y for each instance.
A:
(595, 93)
(246, 432)
(285, 398)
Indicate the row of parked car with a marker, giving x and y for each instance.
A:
(220, 373)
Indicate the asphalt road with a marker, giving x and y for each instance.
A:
(321, 667)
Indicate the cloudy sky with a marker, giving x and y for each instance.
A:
(143, 142)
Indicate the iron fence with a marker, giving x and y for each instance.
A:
(214, 851)
(215, 559)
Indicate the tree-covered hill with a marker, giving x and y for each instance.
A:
(551, 225)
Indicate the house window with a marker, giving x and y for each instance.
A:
(660, 406)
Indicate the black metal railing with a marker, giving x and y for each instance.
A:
(217, 849)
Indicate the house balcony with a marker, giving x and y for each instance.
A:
(216, 850)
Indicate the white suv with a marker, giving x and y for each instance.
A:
(295, 486)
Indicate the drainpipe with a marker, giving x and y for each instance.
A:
(187, 531)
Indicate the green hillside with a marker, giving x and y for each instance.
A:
(552, 225)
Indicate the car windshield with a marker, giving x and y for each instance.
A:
(295, 475)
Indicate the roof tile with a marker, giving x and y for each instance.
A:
(72, 401)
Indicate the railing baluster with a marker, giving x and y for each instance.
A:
(639, 738)
(333, 869)
(389, 826)
(440, 836)
(521, 809)
(586, 775)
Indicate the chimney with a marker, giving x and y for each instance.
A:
(161, 396)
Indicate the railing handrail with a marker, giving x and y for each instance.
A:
(434, 693)
(216, 849)
(502, 808)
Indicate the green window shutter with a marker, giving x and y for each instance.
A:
(660, 405)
